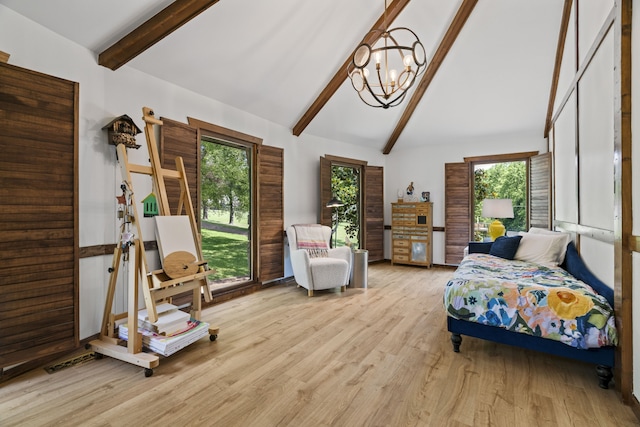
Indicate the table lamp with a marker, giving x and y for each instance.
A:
(497, 208)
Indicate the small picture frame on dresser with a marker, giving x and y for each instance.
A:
(426, 196)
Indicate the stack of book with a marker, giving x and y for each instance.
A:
(173, 331)
(170, 320)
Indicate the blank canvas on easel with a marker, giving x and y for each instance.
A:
(174, 234)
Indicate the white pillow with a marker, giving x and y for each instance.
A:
(567, 239)
(542, 249)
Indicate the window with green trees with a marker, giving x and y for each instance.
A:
(345, 185)
(226, 203)
(505, 180)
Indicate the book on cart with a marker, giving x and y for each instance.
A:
(170, 319)
(166, 345)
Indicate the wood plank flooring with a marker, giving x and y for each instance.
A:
(367, 357)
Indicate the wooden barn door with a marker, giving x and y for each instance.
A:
(38, 215)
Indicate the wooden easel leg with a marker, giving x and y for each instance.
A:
(134, 340)
(196, 304)
(107, 323)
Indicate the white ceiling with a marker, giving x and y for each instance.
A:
(272, 58)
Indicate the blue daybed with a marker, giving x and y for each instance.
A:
(585, 329)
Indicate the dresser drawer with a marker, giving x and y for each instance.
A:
(401, 243)
(397, 250)
(400, 258)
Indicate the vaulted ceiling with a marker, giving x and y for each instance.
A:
(490, 62)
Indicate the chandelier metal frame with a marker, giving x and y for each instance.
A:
(378, 82)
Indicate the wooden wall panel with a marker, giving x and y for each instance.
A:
(374, 212)
(325, 213)
(181, 140)
(38, 215)
(456, 211)
(540, 190)
(271, 213)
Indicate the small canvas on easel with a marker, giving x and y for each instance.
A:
(174, 234)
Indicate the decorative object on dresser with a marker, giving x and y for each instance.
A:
(412, 233)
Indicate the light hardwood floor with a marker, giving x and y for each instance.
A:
(367, 357)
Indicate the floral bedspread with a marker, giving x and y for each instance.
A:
(523, 297)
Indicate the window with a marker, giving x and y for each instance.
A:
(503, 180)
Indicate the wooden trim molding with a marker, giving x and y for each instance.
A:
(152, 31)
(602, 235)
(4, 57)
(510, 157)
(623, 197)
(346, 160)
(225, 134)
(107, 249)
(608, 23)
(464, 11)
(562, 36)
(392, 12)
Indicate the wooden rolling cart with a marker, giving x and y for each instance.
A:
(186, 273)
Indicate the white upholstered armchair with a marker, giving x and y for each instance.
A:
(314, 271)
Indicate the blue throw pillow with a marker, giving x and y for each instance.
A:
(505, 247)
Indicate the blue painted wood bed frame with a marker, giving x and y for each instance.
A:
(602, 357)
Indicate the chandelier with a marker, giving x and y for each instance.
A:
(382, 73)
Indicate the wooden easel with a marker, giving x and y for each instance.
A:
(156, 285)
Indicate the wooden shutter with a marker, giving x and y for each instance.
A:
(271, 213)
(181, 140)
(325, 192)
(374, 212)
(38, 215)
(457, 216)
(540, 190)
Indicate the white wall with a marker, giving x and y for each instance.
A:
(105, 94)
(584, 155)
(425, 167)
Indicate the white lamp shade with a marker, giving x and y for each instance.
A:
(497, 208)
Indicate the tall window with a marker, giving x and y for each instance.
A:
(225, 171)
(346, 222)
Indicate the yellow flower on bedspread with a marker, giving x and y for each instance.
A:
(569, 304)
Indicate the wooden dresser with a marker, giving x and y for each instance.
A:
(412, 233)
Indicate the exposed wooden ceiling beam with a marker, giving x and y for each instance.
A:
(432, 68)
(152, 31)
(564, 25)
(393, 10)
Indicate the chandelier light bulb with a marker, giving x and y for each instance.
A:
(407, 61)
